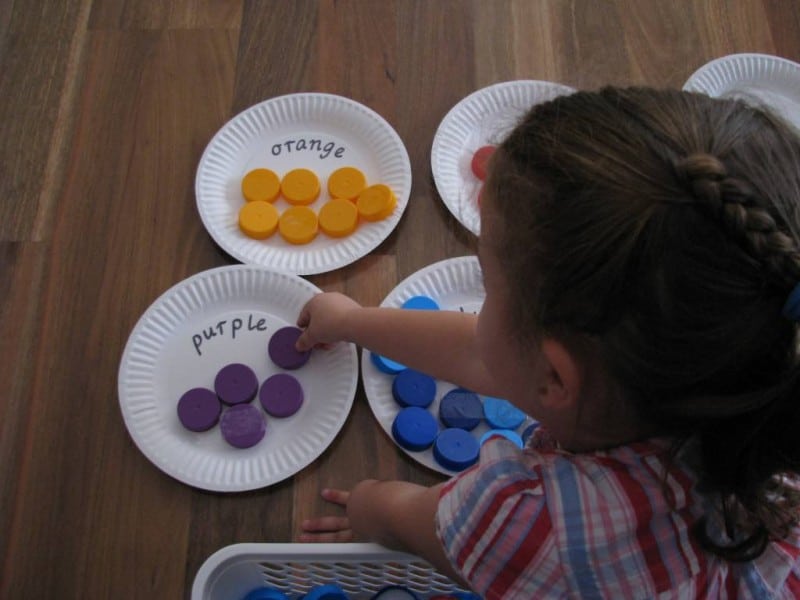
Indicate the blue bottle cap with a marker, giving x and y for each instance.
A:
(412, 388)
(461, 408)
(326, 592)
(528, 432)
(396, 592)
(456, 449)
(414, 428)
(501, 414)
(420, 303)
(386, 365)
(506, 433)
(266, 594)
(791, 309)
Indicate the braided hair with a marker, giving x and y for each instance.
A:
(665, 226)
(734, 203)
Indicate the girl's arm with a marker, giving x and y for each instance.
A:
(395, 514)
(439, 343)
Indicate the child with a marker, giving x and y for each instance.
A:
(641, 259)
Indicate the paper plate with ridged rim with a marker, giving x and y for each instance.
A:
(195, 328)
(760, 80)
(456, 284)
(483, 118)
(321, 132)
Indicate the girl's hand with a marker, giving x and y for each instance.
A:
(395, 514)
(324, 320)
(329, 529)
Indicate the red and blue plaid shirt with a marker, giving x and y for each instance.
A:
(544, 523)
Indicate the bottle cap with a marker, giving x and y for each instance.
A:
(243, 425)
(386, 365)
(281, 395)
(396, 592)
(236, 384)
(282, 350)
(456, 449)
(414, 428)
(326, 592)
(501, 414)
(461, 408)
(266, 594)
(412, 388)
(420, 303)
(506, 433)
(199, 409)
(528, 431)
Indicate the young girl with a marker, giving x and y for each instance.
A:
(641, 258)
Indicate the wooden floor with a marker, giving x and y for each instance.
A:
(105, 109)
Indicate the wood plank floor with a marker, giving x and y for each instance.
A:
(105, 109)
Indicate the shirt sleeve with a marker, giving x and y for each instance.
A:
(494, 525)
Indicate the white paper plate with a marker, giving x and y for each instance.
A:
(163, 358)
(333, 132)
(456, 284)
(757, 79)
(485, 117)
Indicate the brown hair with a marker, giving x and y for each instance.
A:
(665, 226)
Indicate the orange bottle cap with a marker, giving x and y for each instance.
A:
(298, 225)
(261, 184)
(338, 217)
(347, 182)
(300, 187)
(376, 202)
(258, 219)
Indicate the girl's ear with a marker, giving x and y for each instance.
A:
(562, 376)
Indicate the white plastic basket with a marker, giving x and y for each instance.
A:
(361, 570)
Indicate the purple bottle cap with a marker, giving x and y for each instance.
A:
(282, 350)
(243, 425)
(281, 395)
(236, 384)
(199, 409)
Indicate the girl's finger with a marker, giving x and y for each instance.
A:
(346, 535)
(325, 524)
(336, 496)
(302, 344)
(303, 319)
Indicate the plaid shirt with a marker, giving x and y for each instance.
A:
(549, 524)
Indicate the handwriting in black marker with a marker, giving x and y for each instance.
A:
(308, 145)
(219, 329)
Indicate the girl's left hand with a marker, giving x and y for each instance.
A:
(395, 514)
(329, 529)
